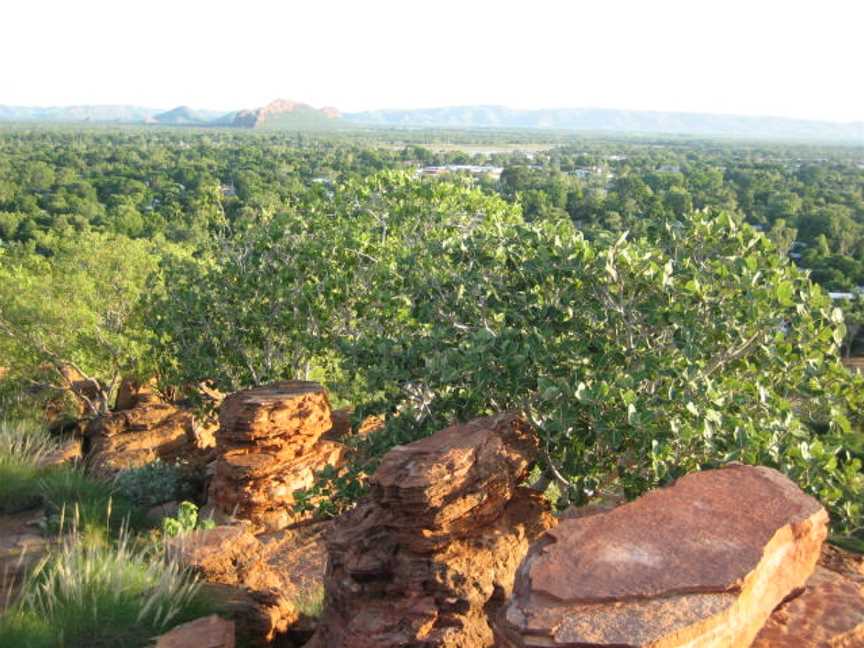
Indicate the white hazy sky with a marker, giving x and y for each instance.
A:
(761, 57)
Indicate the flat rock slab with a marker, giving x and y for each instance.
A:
(207, 632)
(286, 408)
(700, 563)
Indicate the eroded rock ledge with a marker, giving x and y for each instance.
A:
(270, 446)
(701, 563)
(436, 544)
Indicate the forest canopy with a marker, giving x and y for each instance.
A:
(653, 308)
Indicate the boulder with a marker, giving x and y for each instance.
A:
(225, 554)
(262, 583)
(207, 632)
(22, 546)
(135, 437)
(342, 428)
(828, 613)
(701, 563)
(436, 544)
(270, 446)
(134, 393)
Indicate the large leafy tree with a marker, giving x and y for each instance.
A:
(639, 358)
(281, 296)
(71, 315)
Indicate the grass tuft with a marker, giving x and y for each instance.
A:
(22, 446)
(102, 594)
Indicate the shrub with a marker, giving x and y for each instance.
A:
(186, 520)
(152, 484)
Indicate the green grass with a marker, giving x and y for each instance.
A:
(21, 447)
(100, 511)
(310, 602)
(102, 594)
(101, 585)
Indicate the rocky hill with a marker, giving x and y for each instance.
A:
(184, 115)
(283, 113)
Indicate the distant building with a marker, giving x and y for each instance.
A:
(477, 170)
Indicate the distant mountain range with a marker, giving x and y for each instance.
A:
(291, 115)
(618, 121)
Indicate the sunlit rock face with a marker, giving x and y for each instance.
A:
(829, 612)
(149, 431)
(270, 445)
(702, 563)
(435, 546)
(266, 584)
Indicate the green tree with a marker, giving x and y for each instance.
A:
(75, 309)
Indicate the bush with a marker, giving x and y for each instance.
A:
(152, 484)
(187, 520)
(102, 595)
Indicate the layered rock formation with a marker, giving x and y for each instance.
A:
(270, 446)
(135, 437)
(829, 613)
(436, 544)
(699, 564)
(263, 583)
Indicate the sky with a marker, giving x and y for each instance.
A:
(752, 57)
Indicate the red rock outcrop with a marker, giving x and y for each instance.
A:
(207, 632)
(134, 393)
(258, 116)
(829, 613)
(264, 582)
(342, 429)
(436, 544)
(270, 446)
(700, 564)
(135, 437)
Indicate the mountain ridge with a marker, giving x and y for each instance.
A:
(285, 114)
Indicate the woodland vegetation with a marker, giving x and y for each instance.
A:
(654, 306)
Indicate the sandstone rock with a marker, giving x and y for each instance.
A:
(342, 428)
(436, 544)
(699, 564)
(829, 613)
(22, 545)
(224, 554)
(261, 583)
(270, 443)
(207, 632)
(135, 437)
(341, 419)
(295, 409)
(134, 393)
